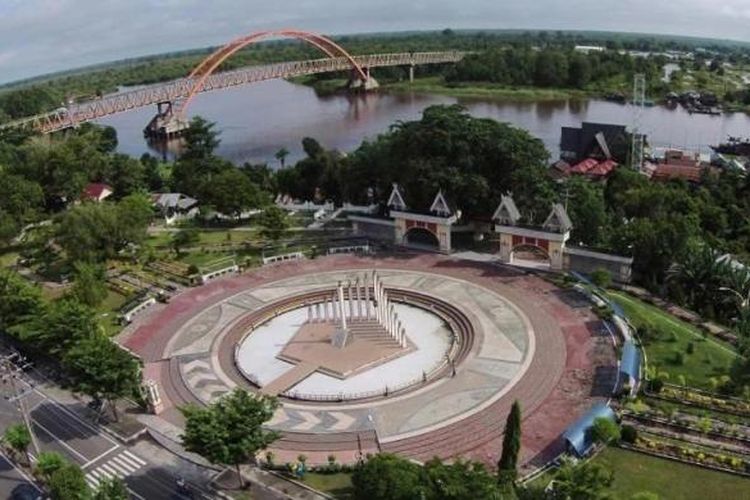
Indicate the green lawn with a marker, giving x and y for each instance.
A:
(636, 472)
(711, 358)
(108, 312)
(338, 485)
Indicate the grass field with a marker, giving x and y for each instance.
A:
(338, 485)
(436, 85)
(711, 358)
(636, 472)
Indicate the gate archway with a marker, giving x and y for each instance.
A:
(532, 254)
(421, 238)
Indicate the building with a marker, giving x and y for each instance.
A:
(96, 191)
(677, 165)
(592, 140)
(175, 206)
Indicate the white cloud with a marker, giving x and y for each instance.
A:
(39, 36)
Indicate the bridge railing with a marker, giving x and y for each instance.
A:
(177, 89)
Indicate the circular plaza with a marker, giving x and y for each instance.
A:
(416, 354)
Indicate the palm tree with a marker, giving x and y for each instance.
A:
(281, 155)
(698, 277)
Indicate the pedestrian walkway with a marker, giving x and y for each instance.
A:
(121, 465)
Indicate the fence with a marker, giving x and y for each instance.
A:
(131, 313)
(350, 249)
(283, 257)
(220, 272)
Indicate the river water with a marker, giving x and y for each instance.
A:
(257, 120)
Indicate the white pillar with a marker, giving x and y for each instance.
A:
(359, 300)
(317, 312)
(351, 299)
(334, 308)
(403, 338)
(367, 298)
(309, 314)
(325, 310)
(341, 306)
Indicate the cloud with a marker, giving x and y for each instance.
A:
(39, 36)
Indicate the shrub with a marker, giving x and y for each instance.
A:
(656, 385)
(679, 358)
(601, 278)
(629, 434)
(690, 348)
(193, 269)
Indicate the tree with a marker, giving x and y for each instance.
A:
(230, 431)
(460, 480)
(586, 481)
(273, 222)
(184, 238)
(19, 300)
(68, 483)
(47, 463)
(201, 140)
(103, 370)
(387, 477)
(62, 324)
(18, 438)
(508, 463)
(281, 155)
(232, 192)
(89, 284)
(112, 489)
(605, 430)
(94, 232)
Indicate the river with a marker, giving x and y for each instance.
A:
(257, 120)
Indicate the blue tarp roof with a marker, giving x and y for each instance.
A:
(578, 435)
(630, 362)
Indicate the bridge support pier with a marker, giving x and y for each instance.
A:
(357, 83)
(411, 73)
(165, 125)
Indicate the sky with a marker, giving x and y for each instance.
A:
(42, 36)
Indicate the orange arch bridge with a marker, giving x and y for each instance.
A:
(203, 71)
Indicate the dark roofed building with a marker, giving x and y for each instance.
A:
(597, 140)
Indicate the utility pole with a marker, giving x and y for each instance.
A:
(639, 103)
(10, 366)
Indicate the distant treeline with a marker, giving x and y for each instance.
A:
(49, 92)
(551, 67)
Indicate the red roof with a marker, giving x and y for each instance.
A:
(96, 191)
(594, 168)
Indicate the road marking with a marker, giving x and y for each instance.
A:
(101, 455)
(20, 472)
(135, 457)
(63, 443)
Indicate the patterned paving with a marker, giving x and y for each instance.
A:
(551, 372)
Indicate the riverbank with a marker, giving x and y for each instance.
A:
(479, 90)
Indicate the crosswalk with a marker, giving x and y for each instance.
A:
(121, 465)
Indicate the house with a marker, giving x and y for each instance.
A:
(175, 206)
(96, 191)
(677, 164)
(592, 140)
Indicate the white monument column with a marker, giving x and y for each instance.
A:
(359, 300)
(317, 312)
(325, 310)
(367, 298)
(309, 314)
(403, 338)
(341, 306)
(335, 308)
(351, 299)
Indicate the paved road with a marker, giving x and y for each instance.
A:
(100, 456)
(14, 482)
